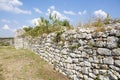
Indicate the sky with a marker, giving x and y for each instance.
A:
(16, 14)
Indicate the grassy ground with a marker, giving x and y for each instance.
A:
(25, 65)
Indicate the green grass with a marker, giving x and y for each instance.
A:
(23, 64)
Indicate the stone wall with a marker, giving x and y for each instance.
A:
(81, 53)
(19, 39)
(7, 41)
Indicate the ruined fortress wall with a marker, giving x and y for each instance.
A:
(81, 53)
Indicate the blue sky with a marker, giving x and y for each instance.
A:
(15, 14)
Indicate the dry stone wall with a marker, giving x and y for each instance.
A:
(82, 53)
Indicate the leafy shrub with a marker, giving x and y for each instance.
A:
(47, 26)
(57, 38)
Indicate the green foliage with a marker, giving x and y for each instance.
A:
(58, 36)
(4, 44)
(47, 26)
(27, 29)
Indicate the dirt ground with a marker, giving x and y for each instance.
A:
(25, 65)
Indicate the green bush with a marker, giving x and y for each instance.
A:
(47, 26)
(57, 38)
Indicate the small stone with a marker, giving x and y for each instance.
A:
(85, 77)
(102, 72)
(47, 44)
(49, 40)
(86, 63)
(104, 66)
(95, 65)
(112, 76)
(95, 71)
(75, 77)
(69, 60)
(104, 51)
(81, 42)
(112, 42)
(108, 60)
(113, 32)
(72, 55)
(101, 77)
(88, 51)
(115, 68)
(75, 60)
(85, 55)
(82, 35)
(78, 68)
(64, 51)
(99, 34)
(57, 51)
(91, 59)
(81, 48)
(101, 44)
(90, 79)
(89, 36)
(95, 59)
(105, 35)
(85, 70)
(80, 75)
(116, 52)
(117, 62)
(92, 75)
(116, 73)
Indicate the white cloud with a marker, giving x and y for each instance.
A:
(100, 13)
(57, 13)
(37, 10)
(12, 6)
(52, 7)
(82, 13)
(69, 12)
(5, 21)
(6, 27)
(13, 30)
(35, 21)
(24, 26)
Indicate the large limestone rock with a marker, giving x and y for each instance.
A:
(108, 60)
(112, 76)
(117, 62)
(112, 42)
(116, 52)
(104, 51)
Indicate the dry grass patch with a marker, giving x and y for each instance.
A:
(25, 65)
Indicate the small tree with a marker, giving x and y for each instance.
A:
(27, 29)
